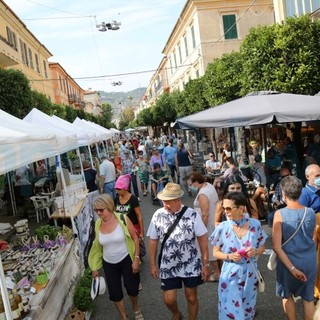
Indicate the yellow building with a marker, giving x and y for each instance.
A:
(21, 50)
(66, 90)
(204, 30)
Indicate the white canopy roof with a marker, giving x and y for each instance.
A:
(96, 126)
(85, 138)
(67, 140)
(256, 110)
(88, 126)
(22, 143)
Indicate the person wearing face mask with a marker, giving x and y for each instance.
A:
(310, 197)
(205, 204)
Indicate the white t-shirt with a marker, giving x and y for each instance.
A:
(108, 171)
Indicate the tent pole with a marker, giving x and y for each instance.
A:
(81, 166)
(11, 192)
(91, 159)
(4, 293)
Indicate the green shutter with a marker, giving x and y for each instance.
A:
(229, 23)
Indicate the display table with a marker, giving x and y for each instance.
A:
(58, 215)
(54, 301)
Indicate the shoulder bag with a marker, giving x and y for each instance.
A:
(272, 262)
(260, 278)
(169, 231)
(142, 245)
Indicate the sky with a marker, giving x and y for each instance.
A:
(97, 59)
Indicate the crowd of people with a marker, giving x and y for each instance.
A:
(219, 239)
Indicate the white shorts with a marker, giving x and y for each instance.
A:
(185, 172)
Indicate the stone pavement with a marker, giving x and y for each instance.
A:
(152, 306)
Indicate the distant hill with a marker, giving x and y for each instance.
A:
(118, 100)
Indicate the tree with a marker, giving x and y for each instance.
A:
(193, 98)
(126, 116)
(15, 93)
(222, 82)
(41, 102)
(164, 110)
(107, 113)
(282, 57)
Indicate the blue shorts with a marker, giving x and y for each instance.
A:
(176, 283)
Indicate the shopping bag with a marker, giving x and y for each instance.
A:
(272, 262)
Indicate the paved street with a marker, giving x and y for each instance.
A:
(268, 306)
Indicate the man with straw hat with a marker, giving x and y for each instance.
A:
(184, 257)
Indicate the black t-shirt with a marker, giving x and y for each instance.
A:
(128, 208)
(90, 176)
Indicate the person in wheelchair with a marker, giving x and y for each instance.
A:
(159, 179)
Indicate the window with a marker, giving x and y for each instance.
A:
(37, 63)
(12, 39)
(193, 37)
(60, 82)
(186, 45)
(230, 26)
(30, 59)
(197, 74)
(24, 54)
(171, 71)
(301, 7)
(175, 60)
(180, 54)
(45, 69)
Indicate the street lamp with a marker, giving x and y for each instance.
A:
(105, 26)
(118, 83)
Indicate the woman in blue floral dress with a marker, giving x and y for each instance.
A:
(237, 241)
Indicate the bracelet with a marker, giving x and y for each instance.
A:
(292, 268)
(137, 257)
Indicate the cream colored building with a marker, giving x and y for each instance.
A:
(290, 8)
(92, 102)
(66, 90)
(21, 50)
(204, 30)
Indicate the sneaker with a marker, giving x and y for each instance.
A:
(139, 199)
(144, 194)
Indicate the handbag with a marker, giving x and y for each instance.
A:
(142, 246)
(272, 262)
(169, 231)
(260, 278)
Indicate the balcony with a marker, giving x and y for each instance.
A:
(8, 55)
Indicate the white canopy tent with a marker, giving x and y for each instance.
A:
(256, 110)
(22, 143)
(84, 137)
(108, 133)
(84, 126)
(67, 140)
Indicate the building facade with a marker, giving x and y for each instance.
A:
(66, 90)
(204, 30)
(21, 50)
(290, 8)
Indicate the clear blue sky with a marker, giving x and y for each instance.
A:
(68, 30)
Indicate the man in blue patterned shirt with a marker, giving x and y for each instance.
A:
(185, 252)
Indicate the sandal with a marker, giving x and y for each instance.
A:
(180, 316)
(138, 315)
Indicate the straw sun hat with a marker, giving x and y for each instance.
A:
(171, 191)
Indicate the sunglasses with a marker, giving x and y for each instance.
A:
(229, 209)
(99, 210)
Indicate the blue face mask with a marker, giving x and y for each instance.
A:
(192, 188)
(316, 182)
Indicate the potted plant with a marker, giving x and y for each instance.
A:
(83, 303)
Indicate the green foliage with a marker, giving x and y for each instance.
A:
(221, 81)
(193, 98)
(41, 102)
(282, 57)
(145, 118)
(47, 230)
(15, 93)
(164, 110)
(82, 294)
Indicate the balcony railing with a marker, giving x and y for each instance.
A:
(9, 56)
